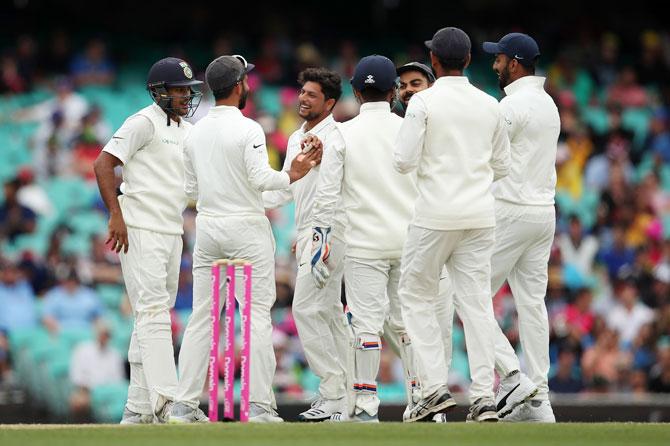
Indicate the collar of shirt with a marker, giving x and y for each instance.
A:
(162, 113)
(376, 107)
(452, 80)
(218, 110)
(525, 82)
(327, 122)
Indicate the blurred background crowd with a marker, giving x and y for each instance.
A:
(65, 321)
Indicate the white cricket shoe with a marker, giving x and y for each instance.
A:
(258, 414)
(322, 409)
(514, 390)
(130, 417)
(533, 411)
(362, 417)
(183, 414)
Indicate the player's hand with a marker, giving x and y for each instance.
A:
(118, 234)
(319, 256)
(310, 142)
(302, 163)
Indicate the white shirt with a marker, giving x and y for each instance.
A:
(226, 164)
(358, 169)
(153, 170)
(91, 365)
(304, 191)
(533, 126)
(628, 323)
(454, 134)
(579, 256)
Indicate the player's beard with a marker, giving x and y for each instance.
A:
(406, 97)
(243, 98)
(504, 76)
(311, 116)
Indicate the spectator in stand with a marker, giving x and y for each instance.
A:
(69, 105)
(59, 54)
(578, 316)
(578, 249)
(93, 363)
(606, 67)
(601, 362)
(93, 67)
(11, 81)
(658, 140)
(567, 377)
(17, 300)
(629, 314)
(626, 91)
(70, 305)
(26, 59)
(618, 256)
(15, 219)
(653, 66)
(659, 378)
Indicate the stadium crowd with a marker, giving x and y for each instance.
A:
(609, 274)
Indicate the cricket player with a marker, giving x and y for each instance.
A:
(525, 219)
(413, 77)
(145, 227)
(358, 171)
(318, 312)
(226, 167)
(453, 134)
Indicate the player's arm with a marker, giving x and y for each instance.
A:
(328, 192)
(261, 175)
(500, 156)
(136, 132)
(409, 142)
(190, 179)
(273, 199)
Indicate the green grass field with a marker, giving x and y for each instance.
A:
(293, 434)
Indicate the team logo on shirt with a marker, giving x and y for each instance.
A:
(169, 141)
(508, 121)
(370, 79)
(187, 70)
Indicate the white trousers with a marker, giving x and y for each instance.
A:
(467, 255)
(524, 235)
(320, 319)
(151, 273)
(249, 238)
(371, 287)
(445, 317)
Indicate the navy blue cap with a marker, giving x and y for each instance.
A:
(521, 47)
(171, 72)
(450, 44)
(374, 71)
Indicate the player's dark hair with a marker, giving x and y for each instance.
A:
(374, 95)
(452, 64)
(224, 93)
(330, 81)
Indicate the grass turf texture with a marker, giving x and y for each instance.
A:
(323, 434)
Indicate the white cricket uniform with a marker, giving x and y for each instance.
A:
(318, 312)
(526, 222)
(358, 170)
(152, 203)
(454, 136)
(226, 166)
